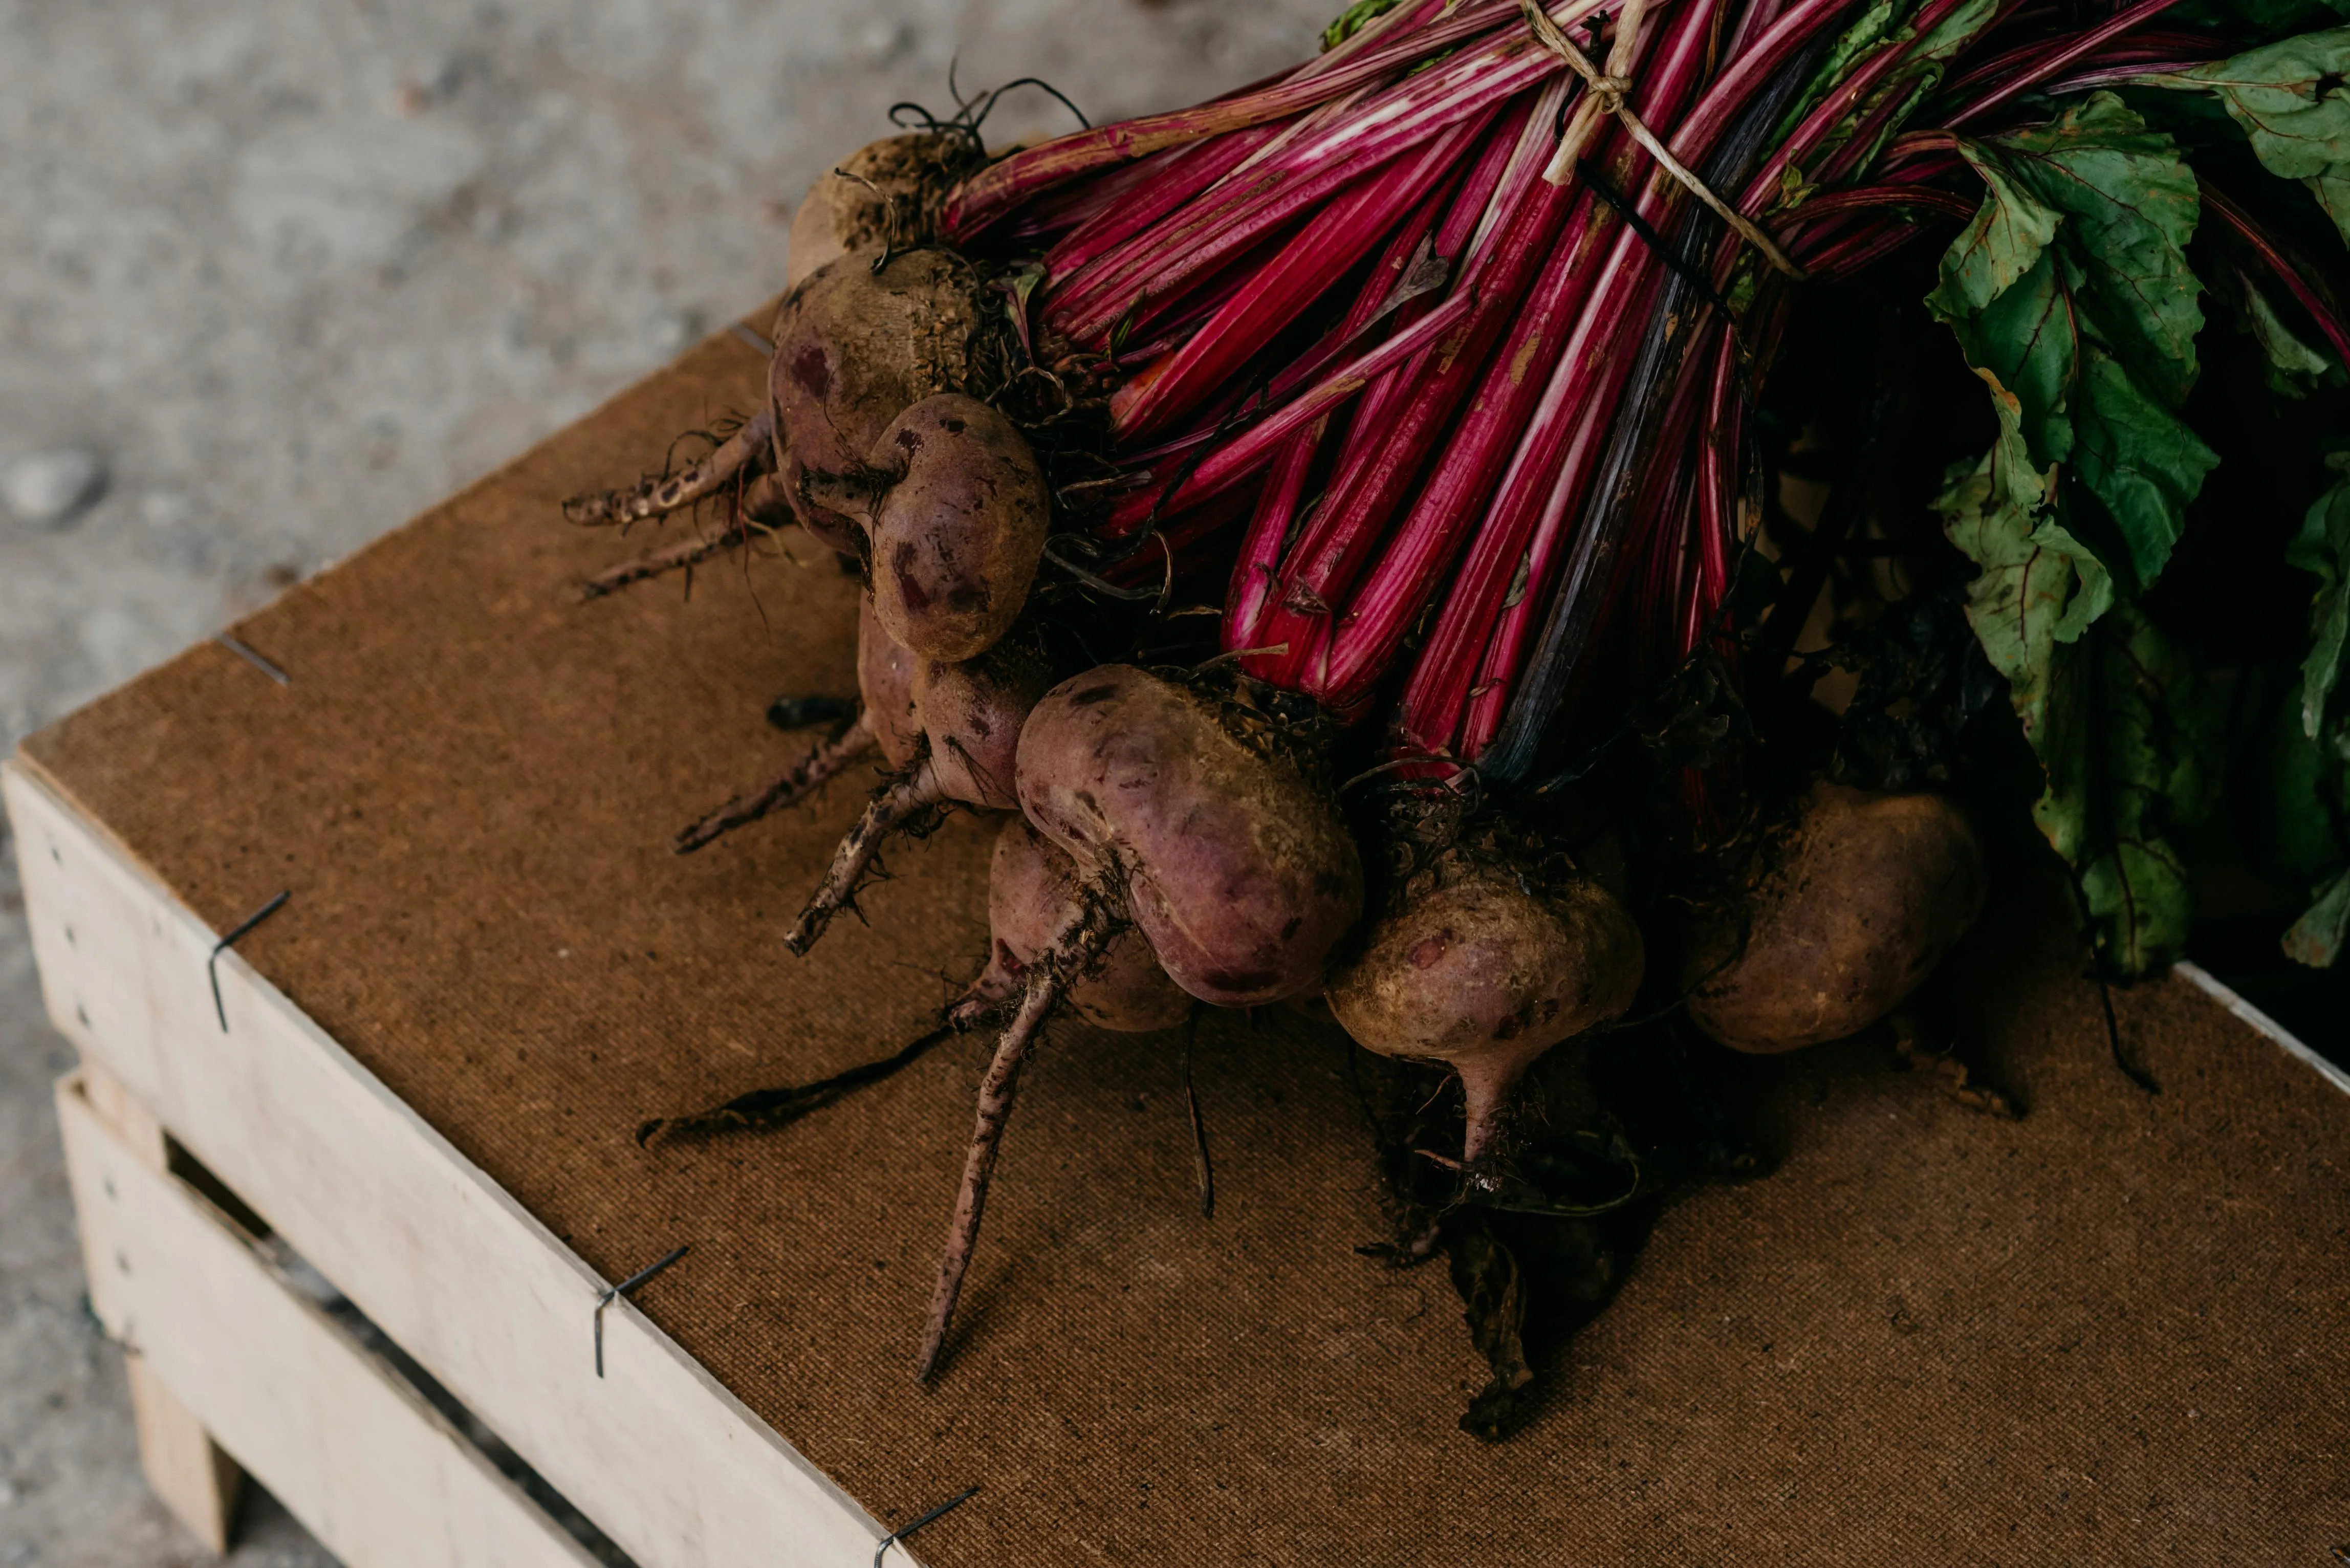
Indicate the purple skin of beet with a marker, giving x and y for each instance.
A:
(1237, 869)
(854, 349)
(1032, 891)
(971, 714)
(957, 533)
(885, 681)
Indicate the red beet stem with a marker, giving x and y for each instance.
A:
(2085, 45)
(988, 196)
(1326, 248)
(2266, 246)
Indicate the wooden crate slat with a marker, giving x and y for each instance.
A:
(372, 1469)
(675, 1469)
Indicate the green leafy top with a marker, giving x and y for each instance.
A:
(2072, 291)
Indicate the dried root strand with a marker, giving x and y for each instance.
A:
(898, 807)
(681, 557)
(748, 449)
(1202, 1166)
(848, 741)
(764, 504)
(764, 1110)
(1081, 942)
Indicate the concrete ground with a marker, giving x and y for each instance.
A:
(276, 274)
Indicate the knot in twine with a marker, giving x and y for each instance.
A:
(1607, 93)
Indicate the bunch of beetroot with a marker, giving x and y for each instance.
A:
(1436, 373)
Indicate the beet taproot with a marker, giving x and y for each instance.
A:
(884, 718)
(971, 716)
(1485, 973)
(1842, 912)
(1236, 867)
(1033, 889)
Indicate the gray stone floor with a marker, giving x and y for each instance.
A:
(288, 271)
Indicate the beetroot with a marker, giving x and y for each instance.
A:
(1485, 973)
(1844, 912)
(884, 195)
(1231, 864)
(854, 349)
(885, 680)
(958, 530)
(971, 716)
(1237, 869)
(1031, 891)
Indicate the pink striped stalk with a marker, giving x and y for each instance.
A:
(1752, 23)
(1313, 167)
(1088, 307)
(1521, 433)
(1255, 572)
(1550, 460)
(1517, 625)
(1762, 190)
(987, 197)
(1747, 74)
(1245, 453)
(1307, 266)
(1530, 293)
(2053, 65)
(2266, 246)
(1116, 266)
(1176, 176)
(1464, 220)
(1390, 445)
(1252, 582)
(1541, 493)
(1427, 715)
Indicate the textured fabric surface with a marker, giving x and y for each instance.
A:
(2117, 1331)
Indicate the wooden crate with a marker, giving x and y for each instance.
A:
(234, 1368)
(1253, 1391)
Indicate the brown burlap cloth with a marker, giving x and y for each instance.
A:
(2117, 1331)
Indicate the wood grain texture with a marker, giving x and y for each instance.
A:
(193, 1475)
(377, 1474)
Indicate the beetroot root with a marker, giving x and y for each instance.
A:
(957, 533)
(825, 761)
(971, 716)
(1087, 929)
(1033, 889)
(886, 194)
(748, 452)
(1484, 974)
(1237, 869)
(884, 718)
(1846, 910)
(854, 349)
